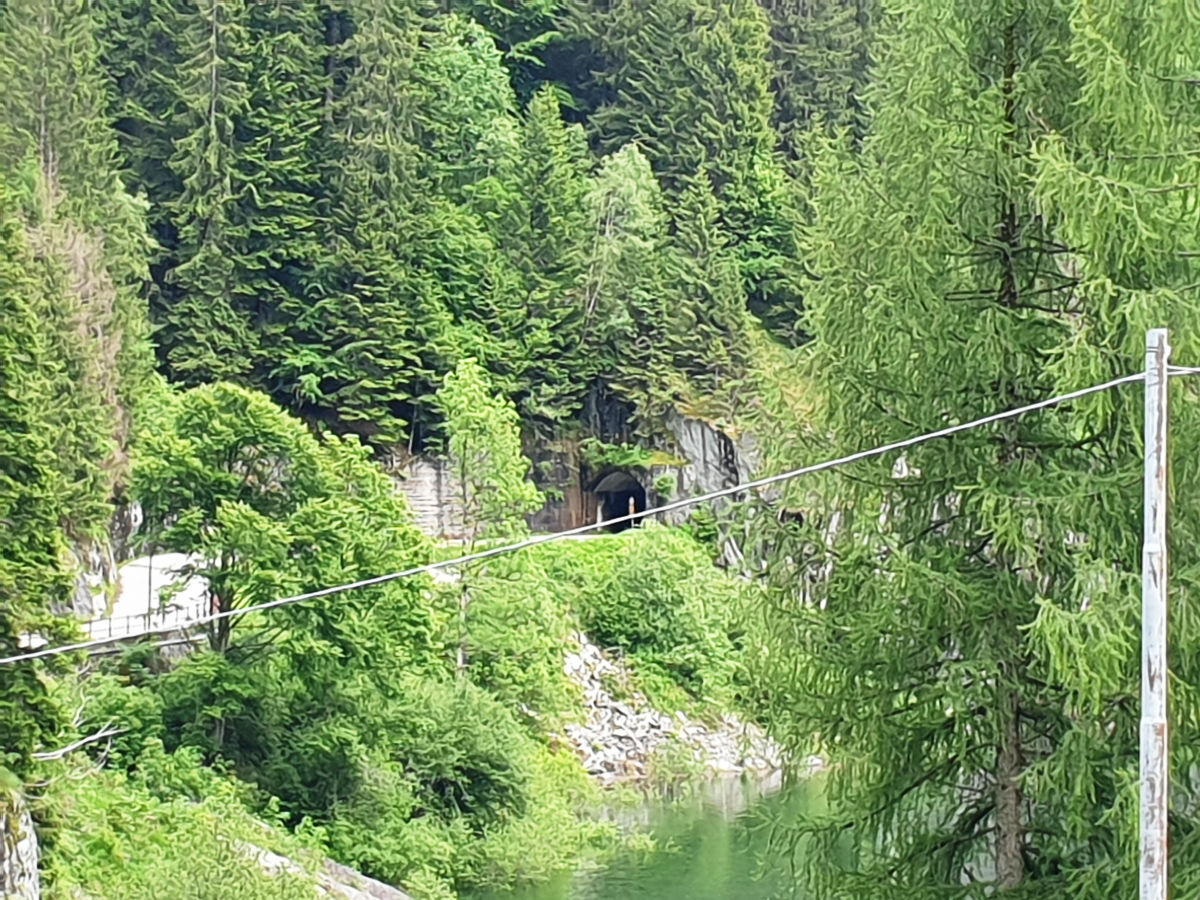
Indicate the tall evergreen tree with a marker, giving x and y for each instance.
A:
(628, 295)
(88, 235)
(382, 317)
(547, 249)
(821, 51)
(707, 329)
(689, 80)
(522, 29)
(959, 630)
(278, 223)
(207, 326)
(466, 96)
(33, 496)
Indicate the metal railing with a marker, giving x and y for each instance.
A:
(169, 618)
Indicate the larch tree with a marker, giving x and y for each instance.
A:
(483, 442)
(957, 630)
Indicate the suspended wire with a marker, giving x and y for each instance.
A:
(585, 529)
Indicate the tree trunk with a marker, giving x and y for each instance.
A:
(464, 603)
(1010, 830)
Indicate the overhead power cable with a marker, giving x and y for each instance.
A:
(585, 529)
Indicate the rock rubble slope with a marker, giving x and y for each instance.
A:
(619, 739)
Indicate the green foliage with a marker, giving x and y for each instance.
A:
(111, 837)
(663, 602)
(821, 53)
(520, 628)
(654, 594)
(689, 80)
(551, 838)
(87, 244)
(599, 455)
(484, 444)
(665, 485)
(350, 199)
(33, 497)
(227, 475)
(960, 640)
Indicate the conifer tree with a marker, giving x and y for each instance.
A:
(522, 29)
(628, 296)
(465, 94)
(958, 629)
(689, 80)
(88, 234)
(382, 317)
(820, 50)
(547, 250)
(707, 328)
(33, 497)
(278, 223)
(207, 325)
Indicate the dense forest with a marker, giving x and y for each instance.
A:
(248, 247)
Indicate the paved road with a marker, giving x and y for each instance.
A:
(141, 603)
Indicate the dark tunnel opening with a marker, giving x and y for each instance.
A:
(619, 494)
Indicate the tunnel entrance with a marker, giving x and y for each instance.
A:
(619, 494)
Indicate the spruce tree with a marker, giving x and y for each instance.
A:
(382, 317)
(466, 96)
(821, 52)
(689, 80)
(958, 628)
(706, 330)
(523, 30)
(33, 497)
(547, 249)
(278, 224)
(206, 325)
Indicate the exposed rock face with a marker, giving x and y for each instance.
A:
(619, 738)
(95, 569)
(429, 485)
(95, 563)
(18, 851)
(715, 460)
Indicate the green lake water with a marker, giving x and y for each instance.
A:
(712, 846)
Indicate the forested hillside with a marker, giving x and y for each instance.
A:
(250, 248)
(344, 199)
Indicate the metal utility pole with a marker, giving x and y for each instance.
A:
(1154, 735)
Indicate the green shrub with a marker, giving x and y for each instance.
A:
(110, 701)
(111, 838)
(463, 750)
(519, 631)
(661, 601)
(374, 830)
(549, 838)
